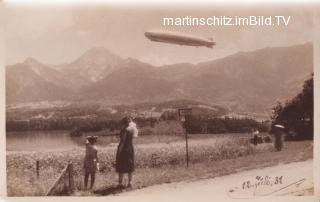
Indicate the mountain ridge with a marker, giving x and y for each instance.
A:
(246, 81)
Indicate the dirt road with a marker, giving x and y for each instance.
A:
(282, 180)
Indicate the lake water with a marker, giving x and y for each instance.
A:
(39, 140)
(48, 140)
(61, 140)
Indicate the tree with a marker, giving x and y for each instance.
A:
(297, 114)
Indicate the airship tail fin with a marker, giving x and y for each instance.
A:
(210, 45)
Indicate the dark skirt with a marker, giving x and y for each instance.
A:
(278, 143)
(90, 165)
(125, 160)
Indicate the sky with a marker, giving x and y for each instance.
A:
(58, 34)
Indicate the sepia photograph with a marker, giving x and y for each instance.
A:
(152, 100)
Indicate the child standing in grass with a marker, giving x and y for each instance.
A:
(91, 164)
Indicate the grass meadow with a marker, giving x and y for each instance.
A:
(159, 162)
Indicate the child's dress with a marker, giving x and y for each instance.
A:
(91, 158)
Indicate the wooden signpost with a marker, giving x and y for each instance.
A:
(184, 117)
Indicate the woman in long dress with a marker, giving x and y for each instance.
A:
(125, 152)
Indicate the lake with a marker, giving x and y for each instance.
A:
(39, 140)
(49, 140)
(61, 140)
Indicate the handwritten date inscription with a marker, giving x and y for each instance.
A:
(261, 181)
(265, 185)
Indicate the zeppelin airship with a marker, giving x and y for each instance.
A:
(179, 38)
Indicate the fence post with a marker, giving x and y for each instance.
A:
(37, 168)
(71, 180)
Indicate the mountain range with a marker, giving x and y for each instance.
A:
(242, 82)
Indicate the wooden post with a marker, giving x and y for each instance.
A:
(37, 168)
(184, 116)
(71, 180)
(187, 149)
